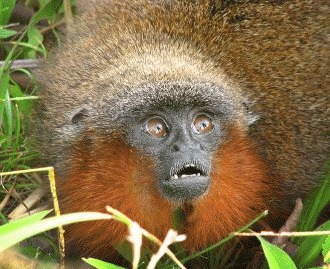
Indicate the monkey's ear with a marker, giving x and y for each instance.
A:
(249, 116)
(79, 116)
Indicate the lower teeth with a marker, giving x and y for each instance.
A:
(183, 176)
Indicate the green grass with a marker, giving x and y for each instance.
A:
(15, 154)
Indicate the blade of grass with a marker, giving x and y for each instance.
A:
(21, 222)
(3, 93)
(101, 264)
(313, 205)
(310, 248)
(27, 45)
(26, 229)
(8, 115)
(221, 242)
(17, 134)
(326, 250)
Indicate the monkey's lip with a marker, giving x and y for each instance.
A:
(187, 182)
(189, 188)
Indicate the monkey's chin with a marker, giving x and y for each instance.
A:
(184, 189)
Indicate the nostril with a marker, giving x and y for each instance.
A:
(175, 147)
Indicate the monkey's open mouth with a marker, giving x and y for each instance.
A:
(188, 170)
(185, 183)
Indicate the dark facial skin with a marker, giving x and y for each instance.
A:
(181, 141)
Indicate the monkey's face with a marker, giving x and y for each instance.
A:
(181, 141)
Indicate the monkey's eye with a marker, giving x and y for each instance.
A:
(202, 124)
(156, 127)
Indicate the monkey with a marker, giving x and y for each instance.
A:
(217, 108)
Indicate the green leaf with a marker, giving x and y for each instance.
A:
(310, 248)
(47, 11)
(5, 33)
(21, 100)
(101, 264)
(35, 38)
(276, 257)
(6, 8)
(125, 250)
